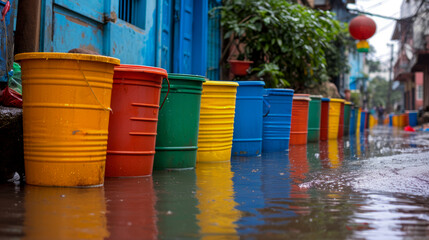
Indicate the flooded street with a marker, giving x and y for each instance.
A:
(371, 186)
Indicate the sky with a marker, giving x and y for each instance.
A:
(385, 27)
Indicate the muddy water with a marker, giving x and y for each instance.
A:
(370, 186)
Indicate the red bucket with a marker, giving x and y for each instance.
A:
(324, 119)
(299, 122)
(133, 120)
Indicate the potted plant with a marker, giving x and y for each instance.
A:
(239, 67)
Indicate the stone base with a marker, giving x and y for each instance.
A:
(11, 143)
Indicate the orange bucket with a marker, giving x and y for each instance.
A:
(299, 122)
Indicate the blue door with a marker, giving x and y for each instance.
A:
(117, 28)
(171, 34)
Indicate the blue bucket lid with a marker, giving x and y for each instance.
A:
(279, 91)
(326, 99)
(251, 83)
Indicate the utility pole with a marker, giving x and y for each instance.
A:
(389, 90)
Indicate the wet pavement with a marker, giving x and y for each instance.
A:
(370, 186)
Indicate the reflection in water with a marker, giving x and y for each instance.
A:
(176, 204)
(131, 208)
(352, 154)
(323, 154)
(334, 158)
(298, 168)
(248, 194)
(313, 155)
(12, 211)
(276, 187)
(216, 201)
(65, 213)
(341, 149)
(358, 149)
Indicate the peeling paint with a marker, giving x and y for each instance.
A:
(77, 21)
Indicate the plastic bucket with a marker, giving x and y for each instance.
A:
(352, 124)
(358, 120)
(314, 114)
(299, 122)
(395, 119)
(405, 120)
(247, 138)
(334, 117)
(412, 115)
(363, 117)
(277, 119)
(324, 119)
(66, 106)
(347, 114)
(341, 122)
(216, 121)
(132, 128)
(178, 121)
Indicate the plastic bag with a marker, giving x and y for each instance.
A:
(11, 98)
(12, 95)
(15, 80)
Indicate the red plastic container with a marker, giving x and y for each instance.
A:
(299, 122)
(324, 119)
(133, 120)
(341, 123)
(239, 68)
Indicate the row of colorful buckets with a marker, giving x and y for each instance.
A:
(401, 120)
(86, 117)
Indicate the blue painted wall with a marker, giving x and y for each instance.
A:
(356, 61)
(6, 43)
(171, 34)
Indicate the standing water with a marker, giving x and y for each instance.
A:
(374, 185)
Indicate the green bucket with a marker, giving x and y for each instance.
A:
(178, 121)
(314, 111)
(347, 112)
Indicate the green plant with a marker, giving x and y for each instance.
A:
(291, 45)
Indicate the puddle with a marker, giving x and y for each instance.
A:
(371, 186)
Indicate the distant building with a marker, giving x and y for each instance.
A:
(412, 65)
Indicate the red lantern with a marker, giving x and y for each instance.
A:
(362, 28)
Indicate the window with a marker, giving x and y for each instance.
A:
(420, 92)
(133, 11)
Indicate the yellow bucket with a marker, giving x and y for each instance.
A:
(334, 117)
(358, 121)
(395, 120)
(215, 193)
(372, 121)
(66, 107)
(216, 121)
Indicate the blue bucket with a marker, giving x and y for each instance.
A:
(247, 139)
(391, 119)
(362, 120)
(353, 115)
(277, 119)
(412, 116)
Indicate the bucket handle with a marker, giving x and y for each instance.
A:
(93, 93)
(268, 106)
(166, 95)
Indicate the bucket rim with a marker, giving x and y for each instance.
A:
(301, 97)
(66, 56)
(279, 91)
(250, 83)
(221, 83)
(326, 99)
(141, 69)
(348, 103)
(316, 96)
(337, 100)
(179, 76)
